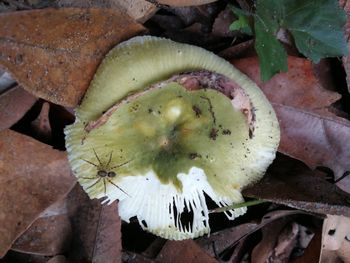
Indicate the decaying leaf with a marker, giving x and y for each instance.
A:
(56, 58)
(32, 177)
(177, 251)
(96, 229)
(336, 240)
(50, 234)
(309, 132)
(228, 238)
(14, 103)
(291, 183)
(140, 10)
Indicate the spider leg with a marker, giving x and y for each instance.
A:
(90, 162)
(98, 159)
(120, 165)
(118, 187)
(94, 183)
(104, 185)
(110, 158)
(88, 178)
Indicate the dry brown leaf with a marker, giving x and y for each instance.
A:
(178, 251)
(309, 132)
(336, 239)
(182, 2)
(228, 238)
(297, 88)
(13, 105)
(50, 234)
(291, 183)
(32, 177)
(312, 251)
(108, 245)
(96, 230)
(263, 251)
(140, 10)
(53, 53)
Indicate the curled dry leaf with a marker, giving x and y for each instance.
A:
(32, 177)
(56, 58)
(14, 103)
(228, 238)
(291, 183)
(309, 132)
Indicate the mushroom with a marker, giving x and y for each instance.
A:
(165, 126)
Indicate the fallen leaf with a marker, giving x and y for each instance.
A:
(228, 238)
(263, 252)
(140, 10)
(312, 251)
(178, 251)
(14, 103)
(56, 58)
(309, 132)
(297, 88)
(58, 259)
(96, 230)
(335, 239)
(314, 139)
(108, 244)
(32, 177)
(182, 2)
(291, 183)
(50, 234)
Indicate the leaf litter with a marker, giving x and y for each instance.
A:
(92, 231)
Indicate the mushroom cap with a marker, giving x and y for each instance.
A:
(116, 145)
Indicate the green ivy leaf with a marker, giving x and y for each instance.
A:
(316, 25)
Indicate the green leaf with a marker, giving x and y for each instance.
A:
(272, 56)
(316, 25)
(242, 23)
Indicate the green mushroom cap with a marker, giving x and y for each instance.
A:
(148, 139)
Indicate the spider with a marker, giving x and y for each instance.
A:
(104, 173)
